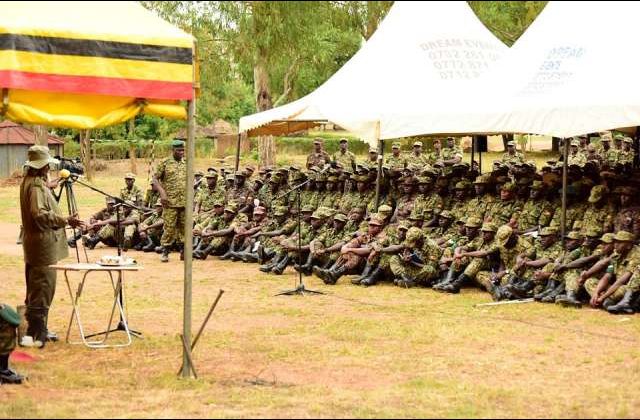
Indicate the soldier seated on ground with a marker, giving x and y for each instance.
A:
(150, 230)
(416, 263)
(217, 236)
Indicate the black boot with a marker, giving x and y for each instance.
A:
(249, 257)
(551, 285)
(521, 289)
(281, 266)
(448, 278)
(148, 246)
(228, 254)
(322, 273)
(624, 306)
(165, 254)
(334, 274)
(266, 268)
(569, 299)
(92, 241)
(406, 281)
(8, 376)
(365, 273)
(455, 285)
(551, 297)
(203, 253)
(306, 267)
(373, 277)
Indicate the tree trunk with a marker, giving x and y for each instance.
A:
(506, 138)
(266, 144)
(132, 147)
(85, 153)
(555, 144)
(41, 135)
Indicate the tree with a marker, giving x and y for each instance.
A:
(507, 19)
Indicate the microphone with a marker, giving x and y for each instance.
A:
(66, 174)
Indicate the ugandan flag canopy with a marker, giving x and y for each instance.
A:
(91, 64)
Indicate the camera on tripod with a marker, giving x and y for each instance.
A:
(72, 165)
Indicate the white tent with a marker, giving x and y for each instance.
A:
(573, 72)
(423, 56)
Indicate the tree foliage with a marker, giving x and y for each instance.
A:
(507, 19)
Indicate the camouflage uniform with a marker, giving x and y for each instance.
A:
(578, 159)
(619, 265)
(133, 195)
(396, 162)
(504, 210)
(534, 214)
(508, 258)
(156, 233)
(318, 159)
(347, 159)
(515, 159)
(429, 255)
(173, 175)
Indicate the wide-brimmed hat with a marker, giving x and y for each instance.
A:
(38, 157)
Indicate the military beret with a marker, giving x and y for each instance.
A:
(574, 234)
(607, 238)
(307, 209)
(130, 175)
(624, 236)
(504, 233)
(340, 217)
(489, 227)
(10, 315)
(473, 222)
(548, 231)
(177, 144)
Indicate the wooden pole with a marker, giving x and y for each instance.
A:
(132, 147)
(565, 165)
(188, 232)
(380, 158)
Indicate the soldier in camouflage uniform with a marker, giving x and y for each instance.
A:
(332, 196)
(512, 156)
(220, 232)
(417, 264)
(318, 158)
(241, 194)
(344, 157)
(280, 225)
(569, 268)
(460, 203)
(628, 216)
(598, 214)
(243, 239)
(150, 230)
(537, 211)
(353, 254)
(451, 264)
(324, 249)
(626, 154)
(451, 154)
(205, 201)
(170, 178)
(9, 322)
(576, 157)
(609, 155)
(396, 162)
(416, 158)
(483, 200)
(131, 192)
(507, 210)
(406, 202)
(273, 197)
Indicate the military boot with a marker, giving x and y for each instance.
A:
(148, 246)
(569, 299)
(365, 273)
(334, 274)
(551, 296)
(266, 268)
(406, 281)
(373, 277)
(306, 267)
(455, 285)
(624, 306)
(8, 376)
(165, 254)
(521, 289)
(249, 257)
(281, 266)
(551, 285)
(448, 278)
(322, 273)
(91, 242)
(228, 254)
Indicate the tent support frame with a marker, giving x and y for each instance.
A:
(565, 165)
(380, 159)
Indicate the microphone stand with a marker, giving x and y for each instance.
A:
(300, 289)
(72, 208)
(120, 203)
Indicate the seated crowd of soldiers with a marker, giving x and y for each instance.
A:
(438, 222)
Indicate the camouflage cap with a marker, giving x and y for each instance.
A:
(230, 177)
(416, 215)
(593, 232)
(473, 222)
(198, 173)
(404, 225)
(344, 140)
(332, 178)
(280, 211)
(509, 186)
(574, 234)
(373, 150)
(461, 185)
(340, 217)
(607, 238)
(130, 175)
(425, 180)
(575, 143)
(618, 137)
(597, 193)
(308, 209)
(489, 227)
(548, 231)
(511, 143)
(376, 220)
(395, 145)
(417, 144)
(504, 234)
(110, 200)
(218, 203)
(628, 140)
(259, 210)
(318, 214)
(211, 174)
(537, 185)
(605, 137)
(414, 235)
(624, 236)
(385, 209)
(482, 179)
(240, 174)
(461, 221)
(446, 214)
(231, 208)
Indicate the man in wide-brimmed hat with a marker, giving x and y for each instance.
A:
(44, 242)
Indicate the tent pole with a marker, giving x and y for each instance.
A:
(380, 158)
(188, 231)
(238, 153)
(473, 149)
(565, 165)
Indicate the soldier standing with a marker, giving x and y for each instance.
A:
(344, 157)
(512, 157)
(318, 157)
(170, 179)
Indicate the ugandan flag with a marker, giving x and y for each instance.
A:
(117, 57)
